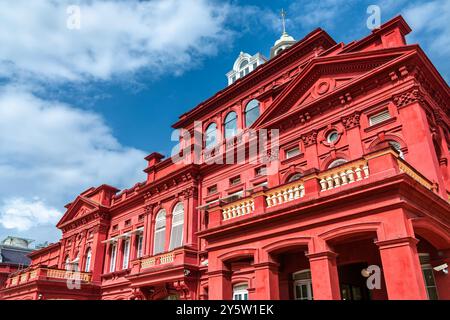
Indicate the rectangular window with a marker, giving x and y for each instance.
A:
(234, 181)
(127, 222)
(112, 262)
(126, 254)
(261, 171)
(141, 217)
(292, 152)
(139, 246)
(115, 227)
(240, 292)
(379, 117)
(428, 276)
(212, 189)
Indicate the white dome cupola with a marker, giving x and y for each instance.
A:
(243, 65)
(285, 40)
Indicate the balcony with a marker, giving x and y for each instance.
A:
(375, 166)
(47, 274)
(178, 257)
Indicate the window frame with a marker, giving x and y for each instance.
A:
(160, 216)
(227, 122)
(87, 262)
(113, 257)
(177, 212)
(240, 290)
(248, 109)
(126, 253)
(210, 144)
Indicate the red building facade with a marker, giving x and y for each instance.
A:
(356, 192)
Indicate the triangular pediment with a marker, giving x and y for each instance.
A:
(324, 76)
(80, 207)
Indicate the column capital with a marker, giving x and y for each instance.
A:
(384, 244)
(321, 255)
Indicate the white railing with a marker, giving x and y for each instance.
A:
(344, 175)
(285, 194)
(237, 209)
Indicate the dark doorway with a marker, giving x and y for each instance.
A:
(352, 283)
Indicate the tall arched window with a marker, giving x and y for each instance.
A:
(160, 232)
(87, 263)
(211, 135)
(176, 235)
(230, 125)
(337, 163)
(251, 112)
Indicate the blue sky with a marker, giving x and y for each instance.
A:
(83, 107)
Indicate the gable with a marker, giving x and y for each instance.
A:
(324, 76)
(80, 207)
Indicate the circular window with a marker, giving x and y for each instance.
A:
(333, 136)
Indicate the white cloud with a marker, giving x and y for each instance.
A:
(116, 37)
(430, 24)
(20, 214)
(54, 151)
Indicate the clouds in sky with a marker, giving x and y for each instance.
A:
(52, 151)
(116, 37)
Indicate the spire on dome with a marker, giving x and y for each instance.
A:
(285, 40)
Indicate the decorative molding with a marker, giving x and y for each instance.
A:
(309, 138)
(408, 97)
(351, 121)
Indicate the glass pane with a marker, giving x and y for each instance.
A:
(428, 276)
(251, 112)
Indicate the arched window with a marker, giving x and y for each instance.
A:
(240, 292)
(295, 177)
(397, 147)
(337, 163)
(160, 232)
(303, 285)
(87, 263)
(230, 125)
(243, 64)
(176, 235)
(211, 135)
(251, 112)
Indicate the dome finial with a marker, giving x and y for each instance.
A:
(283, 20)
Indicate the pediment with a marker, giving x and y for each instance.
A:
(324, 76)
(80, 207)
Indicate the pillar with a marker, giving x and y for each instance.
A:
(324, 274)
(219, 285)
(266, 281)
(401, 268)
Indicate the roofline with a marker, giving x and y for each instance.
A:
(313, 35)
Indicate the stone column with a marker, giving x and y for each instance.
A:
(266, 281)
(325, 278)
(401, 269)
(219, 285)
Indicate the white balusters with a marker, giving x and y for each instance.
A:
(347, 174)
(239, 209)
(285, 194)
